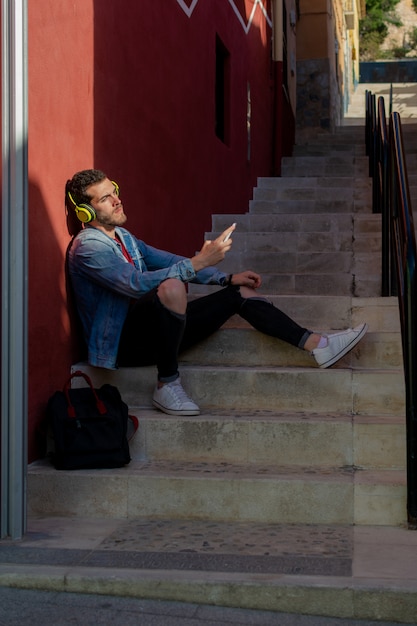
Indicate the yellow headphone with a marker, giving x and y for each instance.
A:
(85, 212)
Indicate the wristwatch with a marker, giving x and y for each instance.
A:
(226, 281)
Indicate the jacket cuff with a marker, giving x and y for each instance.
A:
(186, 270)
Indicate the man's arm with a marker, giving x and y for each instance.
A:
(203, 263)
(97, 258)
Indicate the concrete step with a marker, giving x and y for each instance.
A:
(325, 166)
(266, 437)
(340, 137)
(368, 243)
(354, 192)
(272, 229)
(330, 149)
(351, 135)
(288, 191)
(361, 276)
(324, 182)
(317, 283)
(275, 223)
(292, 262)
(289, 242)
(343, 141)
(270, 438)
(221, 492)
(340, 259)
(339, 166)
(365, 285)
(335, 149)
(314, 205)
(336, 390)
(326, 312)
(237, 343)
(367, 262)
(367, 224)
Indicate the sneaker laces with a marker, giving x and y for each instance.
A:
(178, 391)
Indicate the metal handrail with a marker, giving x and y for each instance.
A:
(367, 120)
(382, 199)
(391, 197)
(404, 252)
(371, 141)
(377, 149)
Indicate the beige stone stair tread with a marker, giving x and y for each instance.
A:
(221, 470)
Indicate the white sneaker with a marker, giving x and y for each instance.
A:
(172, 399)
(339, 344)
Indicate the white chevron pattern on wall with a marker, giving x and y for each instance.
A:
(188, 10)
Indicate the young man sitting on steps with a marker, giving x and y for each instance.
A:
(132, 298)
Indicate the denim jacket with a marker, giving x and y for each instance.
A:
(104, 283)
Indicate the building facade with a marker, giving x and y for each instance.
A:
(327, 61)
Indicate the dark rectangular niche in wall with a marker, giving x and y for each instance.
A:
(222, 95)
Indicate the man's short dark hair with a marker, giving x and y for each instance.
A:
(78, 184)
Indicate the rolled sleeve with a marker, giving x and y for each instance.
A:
(184, 270)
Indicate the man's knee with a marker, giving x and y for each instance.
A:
(173, 295)
(248, 292)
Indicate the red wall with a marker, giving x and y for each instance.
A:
(154, 113)
(61, 140)
(128, 87)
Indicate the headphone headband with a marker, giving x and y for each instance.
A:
(85, 212)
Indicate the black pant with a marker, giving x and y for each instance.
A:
(154, 335)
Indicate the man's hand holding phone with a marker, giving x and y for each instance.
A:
(213, 252)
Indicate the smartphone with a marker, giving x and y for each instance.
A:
(228, 236)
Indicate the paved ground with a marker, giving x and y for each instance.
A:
(21, 607)
(404, 101)
(191, 545)
(81, 571)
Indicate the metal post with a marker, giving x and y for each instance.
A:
(14, 269)
(390, 100)
(383, 186)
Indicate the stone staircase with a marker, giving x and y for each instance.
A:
(279, 441)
